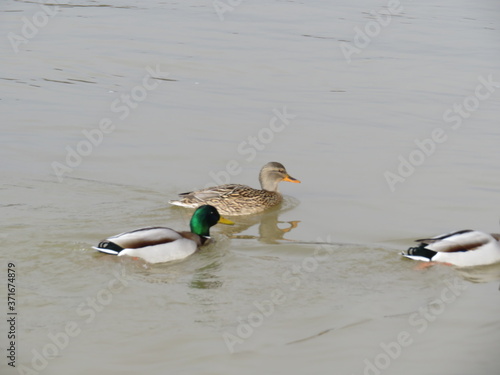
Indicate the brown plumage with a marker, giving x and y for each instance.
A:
(234, 199)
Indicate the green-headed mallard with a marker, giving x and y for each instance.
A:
(161, 244)
(233, 199)
(463, 249)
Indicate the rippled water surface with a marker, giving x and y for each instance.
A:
(388, 114)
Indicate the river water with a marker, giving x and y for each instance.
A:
(386, 111)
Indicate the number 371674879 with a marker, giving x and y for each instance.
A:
(11, 287)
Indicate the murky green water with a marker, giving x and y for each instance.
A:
(109, 111)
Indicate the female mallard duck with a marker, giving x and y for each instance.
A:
(160, 244)
(233, 199)
(463, 249)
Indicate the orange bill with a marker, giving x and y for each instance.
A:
(291, 179)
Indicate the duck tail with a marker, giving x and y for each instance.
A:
(182, 203)
(419, 253)
(108, 247)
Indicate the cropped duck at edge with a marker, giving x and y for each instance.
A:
(161, 244)
(464, 248)
(234, 199)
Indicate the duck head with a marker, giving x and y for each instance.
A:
(272, 174)
(204, 218)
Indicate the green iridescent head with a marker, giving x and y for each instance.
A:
(204, 218)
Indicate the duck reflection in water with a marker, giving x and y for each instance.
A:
(271, 230)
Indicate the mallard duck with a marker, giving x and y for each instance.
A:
(463, 248)
(160, 244)
(233, 199)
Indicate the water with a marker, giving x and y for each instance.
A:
(109, 111)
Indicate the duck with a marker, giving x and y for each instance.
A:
(162, 244)
(235, 199)
(464, 248)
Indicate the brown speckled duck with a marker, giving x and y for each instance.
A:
(234, 199)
